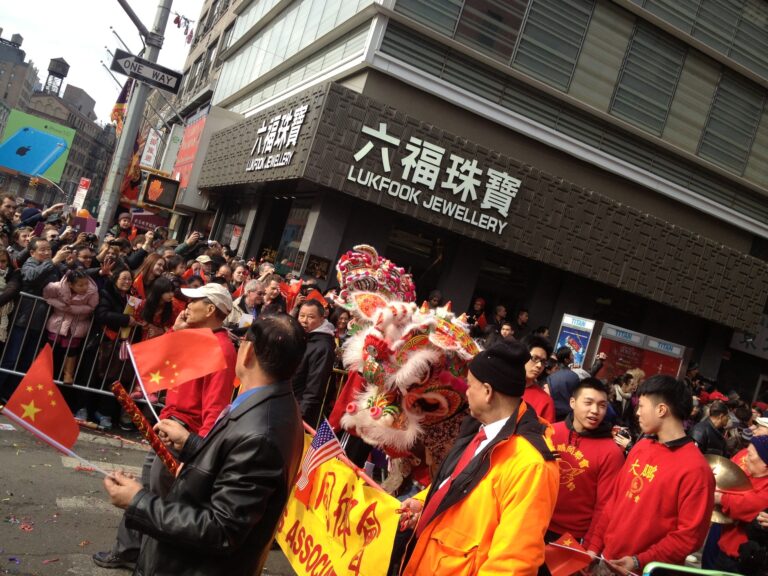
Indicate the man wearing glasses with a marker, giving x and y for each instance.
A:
(534, 395)
(246, 308)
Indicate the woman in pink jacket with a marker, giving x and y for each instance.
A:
(72, 301)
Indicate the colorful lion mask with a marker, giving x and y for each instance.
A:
(414, 362)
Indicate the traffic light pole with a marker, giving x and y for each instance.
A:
(122, 157)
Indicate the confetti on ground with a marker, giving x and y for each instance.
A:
(14, 560)
(7, 427)
(50, 561)
(84, 543)
(27, 527)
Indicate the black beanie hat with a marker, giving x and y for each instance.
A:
(502, 366)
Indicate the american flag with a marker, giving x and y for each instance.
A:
(324, 446)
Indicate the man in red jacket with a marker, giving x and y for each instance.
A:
(743, 507)
(664, 494)
(589, 462)
(196, 405)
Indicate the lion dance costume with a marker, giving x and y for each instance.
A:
(407, 365)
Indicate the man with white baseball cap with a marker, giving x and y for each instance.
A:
(760, 426)
(196, 405)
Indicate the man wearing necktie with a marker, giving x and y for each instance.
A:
(220, 515)
(490, 503)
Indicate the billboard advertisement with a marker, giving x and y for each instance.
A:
(575, 333)
(628, 349)
(35, 146)
(185, 159)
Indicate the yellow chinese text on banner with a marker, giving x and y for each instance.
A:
(347, 528)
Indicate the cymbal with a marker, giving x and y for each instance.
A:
(718, 517)
(728, 476)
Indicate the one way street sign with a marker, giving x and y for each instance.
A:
(145, 71)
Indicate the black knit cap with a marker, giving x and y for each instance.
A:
(502, 366)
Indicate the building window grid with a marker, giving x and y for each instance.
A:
(722, 105)
(546, 12)
(400, 42)
(709, 31)
(552, 9)
(644, 36)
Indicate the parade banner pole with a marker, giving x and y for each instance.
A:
(359, 471)
(43, 436)
(141, 384)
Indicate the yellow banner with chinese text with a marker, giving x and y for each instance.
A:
(345, 527)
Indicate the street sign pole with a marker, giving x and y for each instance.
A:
(124, 152)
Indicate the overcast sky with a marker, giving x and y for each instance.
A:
(78, 31)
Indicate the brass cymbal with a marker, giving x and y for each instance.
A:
(728, 476)
(718, 517)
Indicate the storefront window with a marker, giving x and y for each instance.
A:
(288, 249)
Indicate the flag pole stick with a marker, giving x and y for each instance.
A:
(43, 436)
(141, 384)
(343, 457)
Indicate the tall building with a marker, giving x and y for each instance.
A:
(18, 77)
(202, 66)
(602, 158)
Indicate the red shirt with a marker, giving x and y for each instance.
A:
(742, 507)
(199, 402)
(588, 470)
(540, 401)
(661, 506)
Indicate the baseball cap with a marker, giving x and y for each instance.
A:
(216, 293)
(203, 259)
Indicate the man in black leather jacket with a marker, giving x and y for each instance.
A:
(221, 513)
(708, 433)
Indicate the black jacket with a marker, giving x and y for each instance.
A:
(313, 375)
(561, 385)
(110, 311)
(221, 512)
(35, 275)
(708, 438)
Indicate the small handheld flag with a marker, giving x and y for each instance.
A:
(177, 357)
(324, 446)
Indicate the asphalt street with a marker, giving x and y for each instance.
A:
(54, 514)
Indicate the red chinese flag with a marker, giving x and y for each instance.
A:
(39, 402)
(315, 295)
(565, 556)
(177, 357)
(290, 292)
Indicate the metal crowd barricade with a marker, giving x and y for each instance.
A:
(337, 378)
(98, 357)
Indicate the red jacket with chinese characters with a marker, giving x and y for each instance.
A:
(661, 506)
(589, 465)
(742, 507)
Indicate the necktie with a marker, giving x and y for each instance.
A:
(222, 414)
(437, 497)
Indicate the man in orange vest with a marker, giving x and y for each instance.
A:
(491, 501)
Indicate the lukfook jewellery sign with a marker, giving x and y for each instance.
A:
(424, 175)
(275, 140)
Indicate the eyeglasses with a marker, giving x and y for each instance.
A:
(538, 360)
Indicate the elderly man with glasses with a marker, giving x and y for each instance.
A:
(246, 308)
